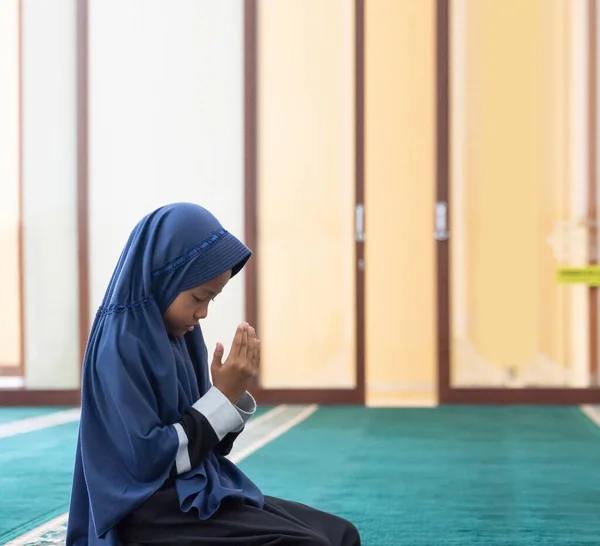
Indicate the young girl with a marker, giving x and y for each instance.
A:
(150, 467)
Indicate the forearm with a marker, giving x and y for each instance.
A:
(212, 423)
(246, 406)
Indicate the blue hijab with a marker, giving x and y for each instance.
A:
(137, 381)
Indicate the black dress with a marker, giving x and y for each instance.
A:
(160, 521)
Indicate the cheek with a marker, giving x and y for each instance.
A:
(177, 314)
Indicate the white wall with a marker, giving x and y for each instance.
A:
(49, 195)
(166, 124)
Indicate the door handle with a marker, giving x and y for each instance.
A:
(441, 221)
(360, 223)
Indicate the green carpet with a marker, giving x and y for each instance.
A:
(445, 476)
(417, 477)
(35, 478)
(35, 473)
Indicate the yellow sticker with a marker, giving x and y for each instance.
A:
(589, 275)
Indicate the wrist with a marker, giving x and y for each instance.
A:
(231, 396)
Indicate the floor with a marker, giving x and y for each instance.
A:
(440, 476)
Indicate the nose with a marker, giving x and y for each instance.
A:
(202, 313)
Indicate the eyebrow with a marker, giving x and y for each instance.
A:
(209, 292)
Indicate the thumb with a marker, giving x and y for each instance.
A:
(217, 357)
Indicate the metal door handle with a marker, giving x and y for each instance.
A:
(441, 221)
(360, 223)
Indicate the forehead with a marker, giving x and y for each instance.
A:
(216, 284)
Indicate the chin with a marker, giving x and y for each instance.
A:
(177, 332)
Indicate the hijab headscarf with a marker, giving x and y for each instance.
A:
(137, 381)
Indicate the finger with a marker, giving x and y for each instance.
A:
(256, 354)
(244, 344)
(251, 343)
(236, 345)
(218, 356)
(253, 354)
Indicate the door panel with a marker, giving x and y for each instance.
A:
(399, 191)
(306, 193)
(519, 194)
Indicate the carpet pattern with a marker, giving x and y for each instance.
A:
(35, 478)
(443, 476)
(35, 475)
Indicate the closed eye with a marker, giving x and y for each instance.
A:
(202, 300)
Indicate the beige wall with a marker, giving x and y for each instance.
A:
(306, 193)
(10, 332)
(518, 180)
(518, 192)
(399, 186)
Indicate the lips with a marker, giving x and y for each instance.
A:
(190, 328)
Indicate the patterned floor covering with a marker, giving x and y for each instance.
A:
(416, 477)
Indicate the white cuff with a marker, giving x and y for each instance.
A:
(246, 407)
(222, 415)
(182, 459)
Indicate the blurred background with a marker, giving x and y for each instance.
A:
(411, 175)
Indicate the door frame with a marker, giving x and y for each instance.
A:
(485, 396)
(324, 396)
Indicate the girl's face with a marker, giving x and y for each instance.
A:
(192, 305)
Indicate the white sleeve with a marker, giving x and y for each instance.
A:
(246, 407)
(222, 415)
